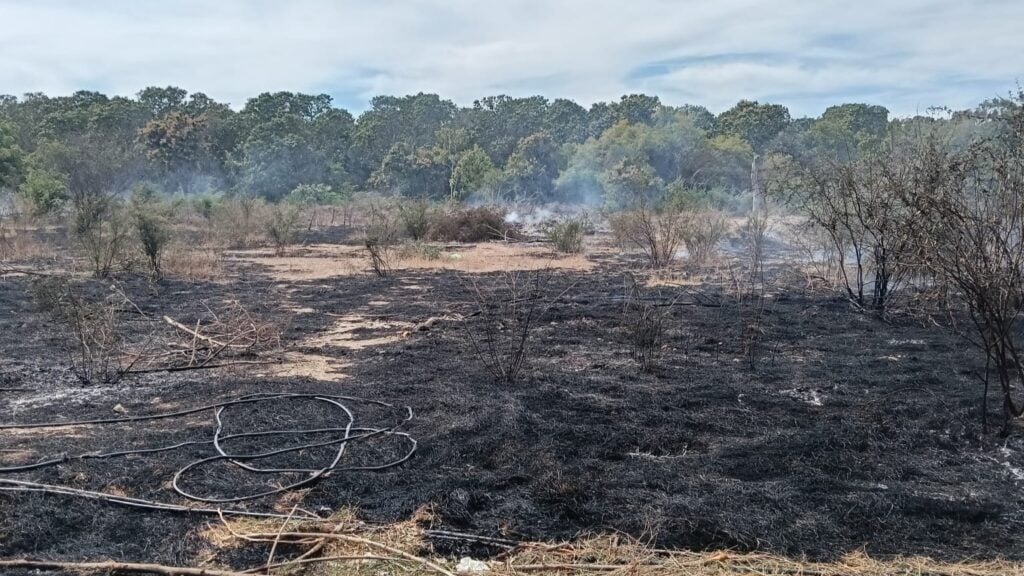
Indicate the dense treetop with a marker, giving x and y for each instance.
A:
(418, 145)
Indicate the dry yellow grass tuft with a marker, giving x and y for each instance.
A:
(342, 544)
(20, 243)
(194, 264)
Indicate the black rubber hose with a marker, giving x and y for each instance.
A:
(349, 434)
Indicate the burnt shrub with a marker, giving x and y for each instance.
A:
(472, 225)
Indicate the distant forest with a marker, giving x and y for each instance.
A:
(500, 148)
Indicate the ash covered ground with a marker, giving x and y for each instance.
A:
(841, 431)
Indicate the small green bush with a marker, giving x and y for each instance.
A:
(567, 235)
(152, 225)
(415, 216)
(280, 226)
(45, 192)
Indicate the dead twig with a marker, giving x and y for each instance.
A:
(110, 567)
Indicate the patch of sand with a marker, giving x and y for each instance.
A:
(320, 261)
(342, 333)
(315, 366)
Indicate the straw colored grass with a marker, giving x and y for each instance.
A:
(344, 545)
(194, 264)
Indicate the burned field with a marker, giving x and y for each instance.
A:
(795, 424)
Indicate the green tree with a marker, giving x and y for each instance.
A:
(566, 121)
(637, 108)
(45, 192)
(756, 123)
(162, 101)
(533, 166)
(418, 173)
(673, 147)
(498, 123)
(11, 157)
(288, 141)
(472, 172)
(411, 121)
(845, 132)
(633, 182)
(177, 144)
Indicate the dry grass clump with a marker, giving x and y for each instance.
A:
(472, 225)
(202, 263)
(623, 555)
(240, 222)
(20, 243)
(702, 232)
(342, 544)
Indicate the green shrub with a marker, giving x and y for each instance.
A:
(415, 216)
(280, 226)
(152, 225)
(45, 192)
(567, 235)
(206, 205)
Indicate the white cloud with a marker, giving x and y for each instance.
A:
(807, 55)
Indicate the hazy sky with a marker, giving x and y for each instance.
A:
(905, 54)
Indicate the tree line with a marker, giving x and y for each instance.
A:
(500, 148)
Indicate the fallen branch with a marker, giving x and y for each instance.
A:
(109, 566)
(356, 540)
(204, 366)
(195, 333)
(4, 271)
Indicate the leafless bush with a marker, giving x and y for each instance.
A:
(702, 232)
(103, 231)
(860, 206)
(818, 252)
(969, 212)
(382, 234)
(658, 234)
(95, 340)
(18, 243)
(238, 221)
(509, 310)
(755, 234)
(644, 318)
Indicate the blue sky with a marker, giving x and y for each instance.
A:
(907, 55)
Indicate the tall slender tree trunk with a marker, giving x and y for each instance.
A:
(755, 184)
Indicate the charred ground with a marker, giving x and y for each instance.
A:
(844, 431)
